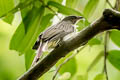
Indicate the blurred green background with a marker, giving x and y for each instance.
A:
(11, 64)
(86, 65)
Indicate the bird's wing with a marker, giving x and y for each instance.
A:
(61, 30)
(54, 33)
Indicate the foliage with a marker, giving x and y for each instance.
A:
(114, 58)
(100, 77)
(36, 15)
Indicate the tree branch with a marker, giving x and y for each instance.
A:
(109, 20)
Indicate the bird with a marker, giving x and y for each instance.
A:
(53, 35)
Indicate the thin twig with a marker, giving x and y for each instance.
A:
(106, 38)
(105, 53)
(66, 60)
(53, 12)
(50, 9)
(109, 4)
(98, 57)
(105, 46)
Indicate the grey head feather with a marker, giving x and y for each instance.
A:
(73, 19)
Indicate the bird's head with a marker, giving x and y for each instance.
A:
(72, 19)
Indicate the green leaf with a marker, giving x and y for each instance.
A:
(67, 11)
(21, 5)
(71, 3)
(82, 77)
(29, 58)
(17, 37)
(63, 9)
(48, 75)
(58, 1)
(47, 19)
(95, 61)
(100, 77)
(26, 11)
(32, 31)
(94, 41)
(5, 6)
(70, 66)
(37, 4)
(114, 58)
(65, 76)
(30, 54)
(82, 24)
(22, 28)
(90, 8)
(25, 36)
(114, 35)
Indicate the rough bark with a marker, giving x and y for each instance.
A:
(109, 20)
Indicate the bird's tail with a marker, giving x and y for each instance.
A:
(39, 53)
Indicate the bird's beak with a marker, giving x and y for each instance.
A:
(80, 17)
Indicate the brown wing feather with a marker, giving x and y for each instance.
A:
(57, 29)
(55, 32)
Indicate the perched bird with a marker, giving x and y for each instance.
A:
(53, 35)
